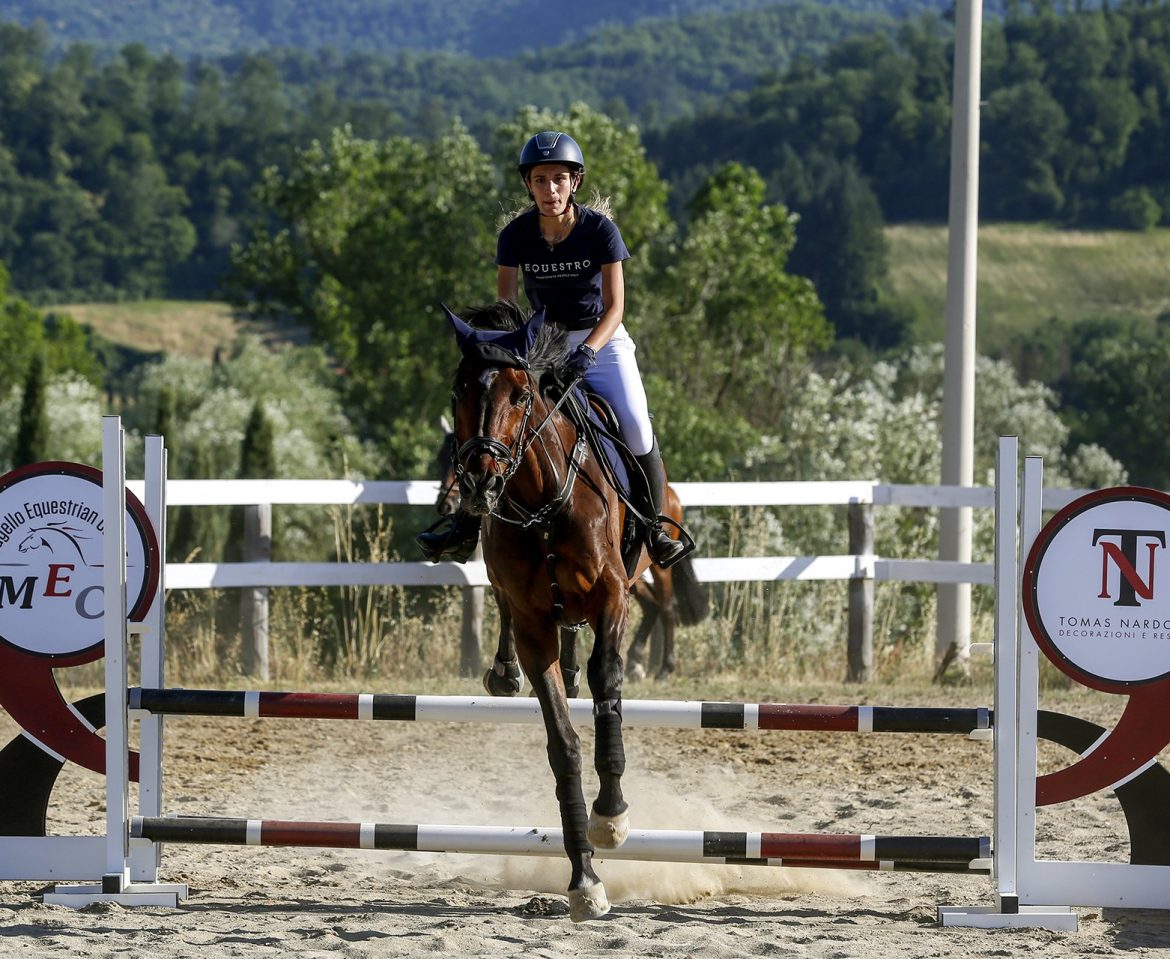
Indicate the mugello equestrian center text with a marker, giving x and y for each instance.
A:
(48, 508)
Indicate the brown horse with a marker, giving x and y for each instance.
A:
(553, 542)
(672, 597)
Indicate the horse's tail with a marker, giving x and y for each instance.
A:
(690, 595)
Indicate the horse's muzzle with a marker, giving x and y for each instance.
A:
(480, 492)
(448, 504)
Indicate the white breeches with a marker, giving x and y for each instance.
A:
(616, 378)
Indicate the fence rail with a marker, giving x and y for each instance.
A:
(864, 565)
(861, 566)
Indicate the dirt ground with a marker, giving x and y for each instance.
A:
(257, 902)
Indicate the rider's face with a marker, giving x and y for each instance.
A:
(552, 184)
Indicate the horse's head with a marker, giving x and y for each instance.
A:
(33, 540)
(495, 392)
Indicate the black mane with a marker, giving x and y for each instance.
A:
(551, 342)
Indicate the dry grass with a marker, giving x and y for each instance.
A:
(182, 327)
(1031, 273)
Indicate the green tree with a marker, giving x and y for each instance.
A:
(32, 432)
(210, 407)
(1135, 209)
(257, 452)
(61, 343)
(370, 237)
(1026, 133)
(734, 327)
(257, 461)
(842, 249)
(1117, 390)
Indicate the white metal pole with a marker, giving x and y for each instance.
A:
(1028, 685)
(954, 600)
(1007, 611)
(144, 862)
(116, 875)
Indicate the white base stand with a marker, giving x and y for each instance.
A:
(1057, 918)
(133, 894)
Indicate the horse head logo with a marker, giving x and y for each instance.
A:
(62, 540)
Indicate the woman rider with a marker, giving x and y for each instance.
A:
(571, 260)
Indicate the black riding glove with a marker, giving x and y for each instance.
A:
(578, 363)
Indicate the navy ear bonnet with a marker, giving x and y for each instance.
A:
(496, 347)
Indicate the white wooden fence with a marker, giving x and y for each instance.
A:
(860, 565)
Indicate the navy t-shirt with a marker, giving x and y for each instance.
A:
(565, 280)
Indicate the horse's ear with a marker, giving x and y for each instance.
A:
(464, 332)
(532, 330)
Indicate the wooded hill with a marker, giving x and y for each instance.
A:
(479, 28)
(133, 175)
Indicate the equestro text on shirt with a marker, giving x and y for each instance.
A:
(558, 269)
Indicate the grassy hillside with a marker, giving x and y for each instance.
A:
(172, 326)
(1030, 273)
(1027, 275)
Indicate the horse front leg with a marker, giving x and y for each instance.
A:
(587, 899)
(609, 821)
(505, 677)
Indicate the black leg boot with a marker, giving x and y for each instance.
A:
(664, 550)
(453, 537)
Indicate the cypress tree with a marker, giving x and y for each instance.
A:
(257, 461)
(32, 434)
(257, 449)
(164, 417)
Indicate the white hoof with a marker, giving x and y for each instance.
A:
(588, 903)
(636, 673)
(608, 832)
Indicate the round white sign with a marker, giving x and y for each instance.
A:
(51, 561)
(1097, 588)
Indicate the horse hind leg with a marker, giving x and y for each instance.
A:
(636, 655)
(587, 899)
(668, 616)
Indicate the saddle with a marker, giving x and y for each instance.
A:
(595, 419)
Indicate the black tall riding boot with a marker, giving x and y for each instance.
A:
(663, 549)
(453, 537)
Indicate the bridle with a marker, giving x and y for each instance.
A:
(512, 456)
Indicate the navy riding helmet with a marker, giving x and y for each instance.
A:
(551, 147)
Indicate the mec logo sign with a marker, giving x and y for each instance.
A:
(51, 560)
